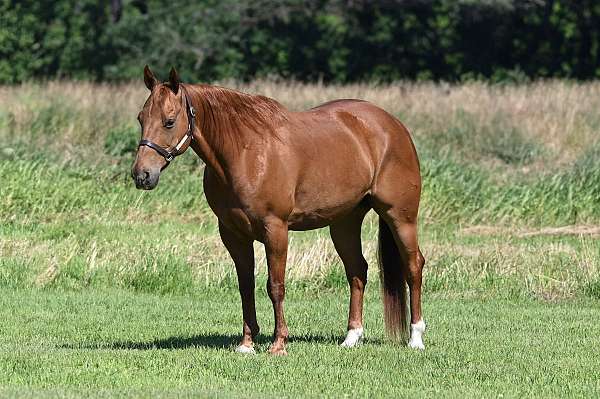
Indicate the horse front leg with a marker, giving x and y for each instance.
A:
(242, 253)
(276, 245)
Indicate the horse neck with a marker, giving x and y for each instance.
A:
(214, 148)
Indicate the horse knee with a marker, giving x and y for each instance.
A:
(276, 291)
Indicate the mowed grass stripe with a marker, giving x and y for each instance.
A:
(122, 342)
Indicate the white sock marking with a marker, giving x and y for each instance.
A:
(245, 349)
(353, 338)
(416, 335)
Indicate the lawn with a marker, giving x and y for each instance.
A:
(104, 343)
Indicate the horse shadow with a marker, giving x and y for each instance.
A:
(206, 341)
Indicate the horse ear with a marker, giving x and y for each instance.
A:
(174, 80)
(149, 78)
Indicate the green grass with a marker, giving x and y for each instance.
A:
(116, 343)
(144, 257)
(107, 291)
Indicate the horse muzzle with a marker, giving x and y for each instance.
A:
(145, 179)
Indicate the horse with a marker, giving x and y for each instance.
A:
(269, 170)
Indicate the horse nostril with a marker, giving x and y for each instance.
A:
(140, 176)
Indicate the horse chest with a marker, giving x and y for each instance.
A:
(229, 208)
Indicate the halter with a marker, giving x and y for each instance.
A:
(170, 154)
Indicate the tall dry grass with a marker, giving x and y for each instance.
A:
(564, 116)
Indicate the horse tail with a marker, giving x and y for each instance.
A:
(392, 271)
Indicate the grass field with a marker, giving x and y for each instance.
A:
(114, 342)
(109, 291)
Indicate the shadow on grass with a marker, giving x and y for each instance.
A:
(210, 341)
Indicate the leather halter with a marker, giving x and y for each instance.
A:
(168, 153)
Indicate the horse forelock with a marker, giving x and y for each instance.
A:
(165, 100)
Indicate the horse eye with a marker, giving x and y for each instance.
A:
(170, 123)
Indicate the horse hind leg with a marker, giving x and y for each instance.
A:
(398, 211)
(411, 262)
(345, 234)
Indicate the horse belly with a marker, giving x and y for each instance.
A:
(320, 217)
(321, 202)
(334, 179)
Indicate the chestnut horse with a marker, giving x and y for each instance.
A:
(269, 170)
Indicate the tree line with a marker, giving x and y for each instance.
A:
(329, 40)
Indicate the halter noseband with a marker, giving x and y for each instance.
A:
(170, 154)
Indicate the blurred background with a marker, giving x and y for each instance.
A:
(326, 40)
(501, 98)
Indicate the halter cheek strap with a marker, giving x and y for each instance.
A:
(168, 153)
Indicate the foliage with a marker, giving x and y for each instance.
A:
(332, 40)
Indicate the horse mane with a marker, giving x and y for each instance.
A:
(226, 113)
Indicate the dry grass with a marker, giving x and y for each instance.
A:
(142, 256)
(548, 269)
(562, 115)
(574, 230)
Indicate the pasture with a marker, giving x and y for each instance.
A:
(109, 291)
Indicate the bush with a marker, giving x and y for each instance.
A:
(331, 40)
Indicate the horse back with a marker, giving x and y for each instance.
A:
(338, 149)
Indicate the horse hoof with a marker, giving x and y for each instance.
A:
(278, 351)
(249, 350)
(416, 344)
(353, 338)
